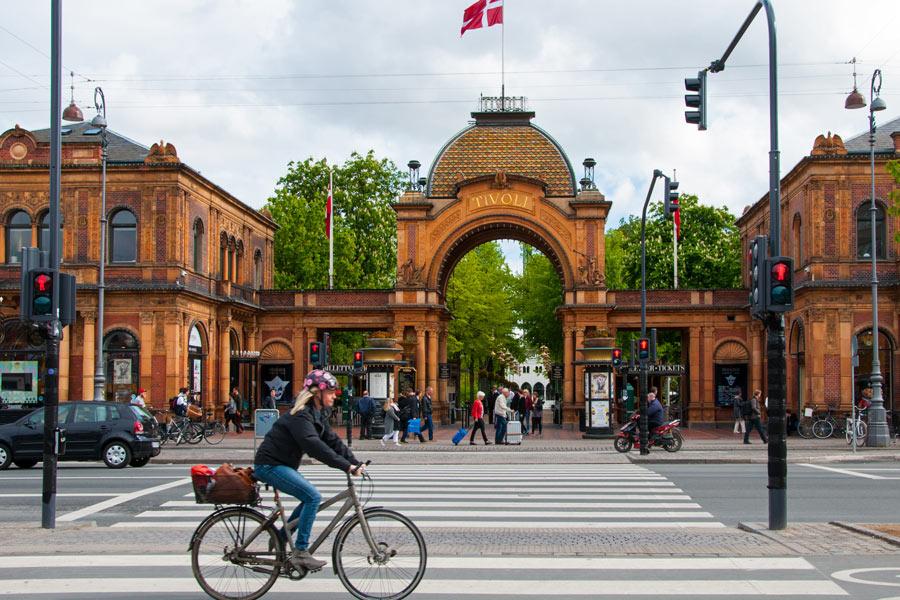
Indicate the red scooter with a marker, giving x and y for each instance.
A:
(667, 436)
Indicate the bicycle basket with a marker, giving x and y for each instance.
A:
(232, 486)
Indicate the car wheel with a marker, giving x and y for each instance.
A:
(25, 463)
(139, 462)
(116, 455)
(5, 457)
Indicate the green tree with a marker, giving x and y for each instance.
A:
(538, 293)
(365, 225)
(709, 253)
(893, 167)
(480, 298)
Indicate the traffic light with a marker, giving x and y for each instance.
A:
(617, 357)
(39, 294)
(358, 360)
(758, 252)
(315, 353)
(696, 100)
(781, 285)
(644, 349)
(670, 196)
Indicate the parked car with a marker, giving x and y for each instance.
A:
(117, 434)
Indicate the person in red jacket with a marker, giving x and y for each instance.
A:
(478, 419)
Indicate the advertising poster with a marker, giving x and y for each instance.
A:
(278, 378)
(599, 415)
(730, 380)
(196, 375)
(122, 371)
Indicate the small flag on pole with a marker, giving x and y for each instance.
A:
(474, 15)
(328, 211)
(678, 224)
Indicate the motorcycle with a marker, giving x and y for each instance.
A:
(668, 436)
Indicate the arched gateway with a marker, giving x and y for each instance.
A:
(500, 178)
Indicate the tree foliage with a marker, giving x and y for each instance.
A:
(538, 292)
(709, 252)
(480, 298)
(365, 225)
(893, 167)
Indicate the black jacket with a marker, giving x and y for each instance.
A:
(409, 407)
(307, 432)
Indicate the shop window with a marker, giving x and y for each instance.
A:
(18, 235)
(123, 237)
(864, 231)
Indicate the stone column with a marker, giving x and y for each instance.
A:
(696, 376)
(420, 357)
(145, 367)
(88, 349)
(579, 370)
(433, 357)
(709, 403)
(175, 342)
(216, 398)
(64, 358)
(570, 415)
(297, 345)
(442, 383)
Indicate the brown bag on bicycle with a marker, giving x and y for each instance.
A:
(232, 486)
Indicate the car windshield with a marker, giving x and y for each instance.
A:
(140, 413)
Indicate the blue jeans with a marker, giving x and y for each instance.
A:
(429, 424)
(290, 481)
(500, 423)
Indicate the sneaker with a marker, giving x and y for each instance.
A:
(382, 443)
(471, 443)
(398, 444)
(303, 559)
(748, 443)
(487, 443)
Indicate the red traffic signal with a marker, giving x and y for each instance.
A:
(358, 359)
(315, 353)
(42, 282)
(780, 272)
(644, 349)
(616, 357)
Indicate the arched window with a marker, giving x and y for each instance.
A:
(230, 265)
(223, 254)
(257, 269)
(123, 237)
(44, 237)
(797, 241)
(198, 246)
(121, 352)
(18, 235)
(864, 231)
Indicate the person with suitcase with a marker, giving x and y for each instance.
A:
(478, 419)
(409, 411)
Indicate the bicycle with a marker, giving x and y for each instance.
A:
(237, 553)
(179, 430)
(805, 426)
(859, 425)
(824, 425)
(211, 431)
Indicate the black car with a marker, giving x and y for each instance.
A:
(117, 434)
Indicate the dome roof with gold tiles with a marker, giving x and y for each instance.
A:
(501, 141)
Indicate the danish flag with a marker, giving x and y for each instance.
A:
(474, 16)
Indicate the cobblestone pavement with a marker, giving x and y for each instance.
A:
(819, 539)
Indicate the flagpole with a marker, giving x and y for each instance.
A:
(503, 60)
(331, 229)
(675, 238)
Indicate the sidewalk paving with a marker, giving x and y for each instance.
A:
(556, 445)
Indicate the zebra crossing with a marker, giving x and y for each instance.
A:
(536, 497)
(114, 576)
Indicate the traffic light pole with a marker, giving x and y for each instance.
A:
(777, 385)
(52, 331)
(642, 392)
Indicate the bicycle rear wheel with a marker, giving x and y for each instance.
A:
(194, 433)
(397, 568)
(805, 428)
(225, 576)
(214, 432)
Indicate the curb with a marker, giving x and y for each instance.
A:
(885, 537)
(762, 460)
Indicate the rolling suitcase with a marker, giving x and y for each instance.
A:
(459, 436)
(514, 432)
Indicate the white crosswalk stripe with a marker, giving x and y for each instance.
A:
(107, 576)
(455, 496)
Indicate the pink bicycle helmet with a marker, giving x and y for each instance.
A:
(320, 380)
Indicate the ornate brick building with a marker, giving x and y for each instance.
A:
(189, 299)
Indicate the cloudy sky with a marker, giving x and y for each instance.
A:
(241, 88)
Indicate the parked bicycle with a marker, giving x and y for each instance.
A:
(237, 552)
(178, 430)
(208, 429)
(859, 425)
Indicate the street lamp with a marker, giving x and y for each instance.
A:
(99, 127)
(878, 435)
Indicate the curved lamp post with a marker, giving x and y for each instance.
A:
(99, 123)
(878, 435)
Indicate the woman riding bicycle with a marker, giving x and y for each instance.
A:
(304, 430)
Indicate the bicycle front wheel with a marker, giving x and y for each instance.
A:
(194, 433)
(227, 573)
(391, 573)
(823, 429)
(214, 433)
(805, 428)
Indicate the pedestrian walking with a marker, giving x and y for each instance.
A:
(235, 404)
(501, 416)
(478, 419)
(391, 422)
(269, 401)
(366, 410)
(409, 410)
(537, 416)
(739, 426)
(426, 412)
(752, 415)
(527, 407)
